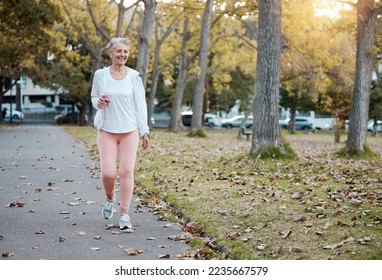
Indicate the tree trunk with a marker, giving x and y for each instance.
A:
(197, 103)
(266, 128)
(359, 112)
(144, 44)
(292, 121)
(175, 119)
(120, 19)
(154, 82)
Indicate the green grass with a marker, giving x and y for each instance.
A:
(315, 206)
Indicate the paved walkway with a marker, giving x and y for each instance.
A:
(50, 204)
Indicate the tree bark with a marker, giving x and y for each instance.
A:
(145, 35)
(155, 77)
(175, 119)
(266, 128)
(197, 104)
(359, 112)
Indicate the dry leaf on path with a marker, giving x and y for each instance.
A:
(15, 205)
(7, 254)
(134, 252)
(165, 256)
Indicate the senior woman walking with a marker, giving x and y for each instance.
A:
(121, 119)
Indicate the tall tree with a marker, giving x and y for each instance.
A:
(197, 105)
(24, 33)
(175, 120)
(145, 39)
(266, 130)
(162, 33)
(367, 12)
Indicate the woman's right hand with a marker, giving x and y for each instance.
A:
(102, 103)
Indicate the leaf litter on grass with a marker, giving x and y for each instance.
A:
(292, 208)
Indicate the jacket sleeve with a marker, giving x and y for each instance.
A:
(140, 105)
(96, 88)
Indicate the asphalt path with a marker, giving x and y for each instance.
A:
(50, 205)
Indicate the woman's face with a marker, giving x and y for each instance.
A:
(120, 54)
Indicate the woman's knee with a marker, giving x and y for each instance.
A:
(108, 174)
(126, 172)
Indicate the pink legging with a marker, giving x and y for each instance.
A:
(110, 146)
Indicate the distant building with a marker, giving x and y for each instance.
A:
(33, 97)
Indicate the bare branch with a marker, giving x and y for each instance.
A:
(96, 25)
(89, 44)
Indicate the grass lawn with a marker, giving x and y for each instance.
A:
(315, 207)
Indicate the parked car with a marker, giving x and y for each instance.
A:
(284, 123)
(15, 114)
(370, 126)
(236, 122)
(301, 123)
(210, 120)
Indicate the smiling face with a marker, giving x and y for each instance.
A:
(119, 54)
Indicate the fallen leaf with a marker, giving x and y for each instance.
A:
(150, 238)
(365, 240)
(134, 252)
(185, 256)
(109, 226)
(97, 237)
(340, 244)
(277, 250)
(68, 180)
(8, 254)
(165, 256)
(261, 247)
(285, 234)
(37, 190)
(300, 219)
(308, 224)
(1, 237)
(15, 205)
(246, 239)
(326, 226)
(40, 232)
(74, 203)
(65, 212)
(296, 250)
(95, 248)
(62, 238)
(23, 177)
(81, 233)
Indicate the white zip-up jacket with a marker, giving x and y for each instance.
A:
(127, 109)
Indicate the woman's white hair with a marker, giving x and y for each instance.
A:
(111, 45)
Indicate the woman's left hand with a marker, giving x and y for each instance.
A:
(145, 142)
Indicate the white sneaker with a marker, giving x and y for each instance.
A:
(124, 222)
(107, 210)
